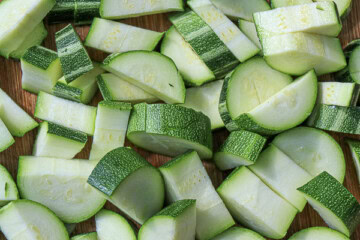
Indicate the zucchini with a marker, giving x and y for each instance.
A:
(355, 153)
(192, 68)
(8, 188)
(176, 222)
(286, 3)
(339, 94)
(63, 112)
(151, 71)
(63, 11)
(16, 23)
(6, 140)
(352, 72)
(129, 182)
(313, 150)
(318, 233)
(186, 178)
(240, 148)
(86, 236)
(60, 185)
(27, 220)
(86, 10)
(41, 69)
(335, 204)
(110, 128)
(343, 6)
(74, 59)
(113, 9)
(55, 141)
(114, 37)
(114, 88)
(237, 233)
(110, 226)
(205, 99)
(249, 29)
(255, 205)
(170, 129)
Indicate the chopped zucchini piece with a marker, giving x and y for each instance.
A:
(355, 152)
(8, 188)
(318, 233)
(343, 6)
(286, 3)
(352, 72)
(237, 233)
(6, 139)
(249, 29)
(339, 94)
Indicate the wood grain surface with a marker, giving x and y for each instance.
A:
(10, 82)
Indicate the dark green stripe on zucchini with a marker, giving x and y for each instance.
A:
(68, 92)
(40, 57)
(67, 132)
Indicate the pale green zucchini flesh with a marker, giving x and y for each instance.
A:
(249, 29)
(339, 94)
(6, 139)
(318, 233)
(237, 233)
(86, 236)
(286, 3)
(343, 6)
(355, 153)
(8, 188)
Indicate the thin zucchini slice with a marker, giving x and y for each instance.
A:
(355, 152)
(8, 188)
(339, 94)
(343, 6)
(6, 139)
(86, 236)
(170, 129)
(186, 178)
(130, 182)
(114, 37)
(176, 222)
(237, 233)
(28, 220)
(255, 205)
(286, 3)
(153, 72)
(335, 204)
(249, 29)
(318, 233)
(352, 72)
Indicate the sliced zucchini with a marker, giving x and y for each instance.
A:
(28, 220)
(313, 150)
(352, 72)
(355, 152)
(186, 178)
(176, 222)
(110, 128)
(249, 29)
(205, 99)
(318, 233)
(130, 183)
(74, 59)
(240, 148)
(8, 188)
(41, 69)
(153, 72)
(86, 10)
(335, 204)
(114, 88)
(339, 94)
(86, 236)
(63, 11)
(286, 3)
(237, 233)
(111, 226)
(170, 129)
(255, 205)
(55, 141)
(343, 6)
(66, 113)
(6, 140)
(114, 37)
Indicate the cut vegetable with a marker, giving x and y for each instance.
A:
(113, 9)
(170, 130)
(343, 6)
(114, 88)
(110, 128)
(318, 233)
(355, 152)
(339, 94)
(41, 69)
(176, 222)
(114, 37)
(286, 3)
(186, 178)
(352, 72)
(63, 11)
(86, 236)
(111, 226)
(55, 141)
(8, 188)
(240, 148)
(74, 59)
(6, 140)
(16, 23)
(153, 72)
(86, 10)
(27, 220)
(205, 99)
(66, 113)
(130, 183)
(255, 205)
(249, 29)
(237, 233)
(313, 150)
(335, 204)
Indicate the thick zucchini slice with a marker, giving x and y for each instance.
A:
(86, 236)
(352, 72)
(318, 233)
(355, 152)
(6, 140)
(286, 3)
(237, 233)
(249, 29)
(8, 188)
(339, 94)
(186, 178)
(343, 6)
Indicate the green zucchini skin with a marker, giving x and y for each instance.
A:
(85, 236)
(40, 57)
(351, 54)
(68, 92)
(61, 131)
(239, 233)
(318, 233)
(355, 152)
(64, 10)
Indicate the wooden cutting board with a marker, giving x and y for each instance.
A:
(10, 82)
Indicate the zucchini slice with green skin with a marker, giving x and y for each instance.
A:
(86, 236)
(176, 222)
(343, 6)
(205, 99)
(287, 3)
(205, 43)
(86, 10)
(186, 178)
(74, 58)
(66, 113)
(115, 37)
(60, 185)
(8, 188)
(17, 23)
(192, 68)
(313, 150)
(6, 139)
(110, 128)
(352, 72)
(151, 71)
(123, 172)
(111, 226)
(237, 233)
(339, 94)
(114, 88)
(334, 203)
(255, 205)
(318, 233)
(170, 129)
(241, 148)
(55, 141)
(41, 69)
(63, 11)
(17, 121)
(113, 9)
(355, 152)
(249, 29)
